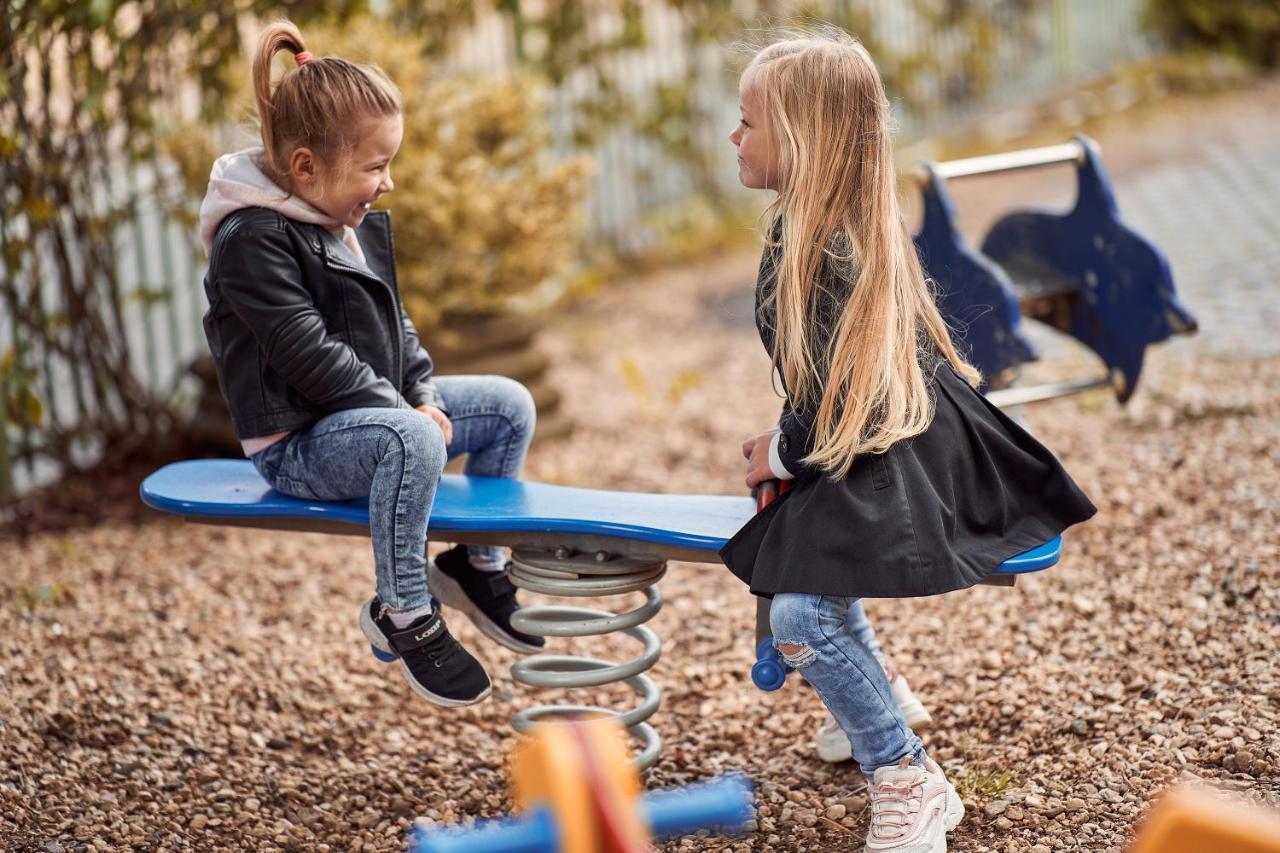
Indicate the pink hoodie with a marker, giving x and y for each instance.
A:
(236, 182)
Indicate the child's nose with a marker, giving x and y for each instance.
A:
(735, 135)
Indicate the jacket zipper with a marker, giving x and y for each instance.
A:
(338, 264)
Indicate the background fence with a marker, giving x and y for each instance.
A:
(1034, 49)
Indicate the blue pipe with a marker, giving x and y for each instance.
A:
(725, 804)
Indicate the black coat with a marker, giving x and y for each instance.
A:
(935, 513)
(300, 328)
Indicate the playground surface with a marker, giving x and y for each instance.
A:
(168, 686)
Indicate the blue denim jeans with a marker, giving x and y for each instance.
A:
(845, 673)
(394, 458)
(857, 623)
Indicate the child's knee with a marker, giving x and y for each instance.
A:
(518, 401)
(793, 621)
(421, 439)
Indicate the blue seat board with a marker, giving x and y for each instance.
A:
(231, 489)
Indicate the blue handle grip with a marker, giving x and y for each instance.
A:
(769, 672)
(724, 803)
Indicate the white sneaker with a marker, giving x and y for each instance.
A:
(913, 710)
(912, 809)
(833, 744)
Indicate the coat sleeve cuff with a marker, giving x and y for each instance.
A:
(425, 393)
(775, 461)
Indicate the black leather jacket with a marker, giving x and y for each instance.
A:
(300, 328)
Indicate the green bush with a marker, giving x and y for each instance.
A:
(1247, 29)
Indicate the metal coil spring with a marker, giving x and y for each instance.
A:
(566, 573)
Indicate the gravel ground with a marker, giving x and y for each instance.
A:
(175, 686)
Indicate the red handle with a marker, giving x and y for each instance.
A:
(769, 490)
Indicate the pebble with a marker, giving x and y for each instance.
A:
(836, 811)
(1074, 804)
(1080, 726)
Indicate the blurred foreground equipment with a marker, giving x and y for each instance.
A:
(1187, 820)
(579, 793)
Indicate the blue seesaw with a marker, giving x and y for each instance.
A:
(1086, 273)
(565, 541)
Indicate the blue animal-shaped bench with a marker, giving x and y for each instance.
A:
(1086, 273)
(565, 541)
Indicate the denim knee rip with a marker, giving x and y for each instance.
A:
(802, 658)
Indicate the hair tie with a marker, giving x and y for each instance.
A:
(302, 57)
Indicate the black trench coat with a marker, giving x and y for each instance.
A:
(935, 513)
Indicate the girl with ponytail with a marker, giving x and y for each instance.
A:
(330, 390)
(905, 481)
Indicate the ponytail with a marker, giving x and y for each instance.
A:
(278, 36)
(322, 104)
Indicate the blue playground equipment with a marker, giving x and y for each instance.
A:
(724, 804)
(1085, 273)
(579, 794)
(565, 542)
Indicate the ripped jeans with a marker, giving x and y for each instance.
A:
(845, 673)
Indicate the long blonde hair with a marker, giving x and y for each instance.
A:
(321, 104)
(829, 116)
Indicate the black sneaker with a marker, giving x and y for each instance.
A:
(438, 668)
(487, 598)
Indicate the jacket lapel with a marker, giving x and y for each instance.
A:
(374, 235)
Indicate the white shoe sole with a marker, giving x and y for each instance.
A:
(955, 809)
(377, 640)
(449, 593)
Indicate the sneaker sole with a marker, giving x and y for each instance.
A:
(955, 809)
(449, 592)
(384, 653)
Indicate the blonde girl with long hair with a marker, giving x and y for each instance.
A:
(905, 481)
(330, 390)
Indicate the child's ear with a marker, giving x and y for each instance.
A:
(302, 167)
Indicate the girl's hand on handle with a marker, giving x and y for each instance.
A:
(756, 450)
(442, 421)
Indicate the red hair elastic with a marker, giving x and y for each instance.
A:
(302, 57)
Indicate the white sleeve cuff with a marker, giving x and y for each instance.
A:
(775, 461)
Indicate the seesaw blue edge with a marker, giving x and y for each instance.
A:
(232, 489)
